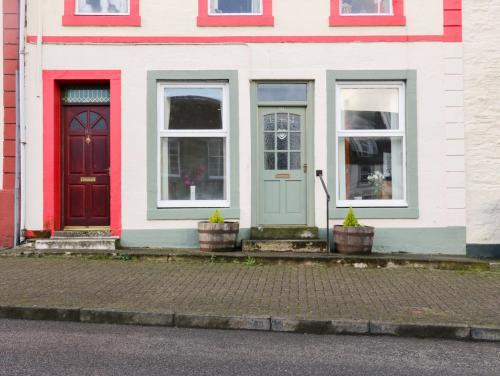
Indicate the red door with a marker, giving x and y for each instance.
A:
(86, 165)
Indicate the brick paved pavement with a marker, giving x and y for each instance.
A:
(313, 291)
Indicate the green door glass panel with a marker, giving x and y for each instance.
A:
(282, 156)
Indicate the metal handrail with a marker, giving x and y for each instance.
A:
(319, 174)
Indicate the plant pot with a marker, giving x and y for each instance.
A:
(353, 240)
(218, 237)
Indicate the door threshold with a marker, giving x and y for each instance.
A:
(86, 228)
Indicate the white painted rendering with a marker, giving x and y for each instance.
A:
(292, 17)
(482, 120)
(440, 132)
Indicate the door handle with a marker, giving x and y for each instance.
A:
(305, 168)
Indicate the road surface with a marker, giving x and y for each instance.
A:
(54, 348)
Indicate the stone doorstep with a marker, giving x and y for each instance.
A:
(81, 234)
(259, 323)
(303, 246)
(284, 232)
(77, 243)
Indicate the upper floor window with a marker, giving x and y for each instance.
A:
(235, 7)
(348, 7)
(235, 13)
(101, 13)
(367, 13)
(114, 7)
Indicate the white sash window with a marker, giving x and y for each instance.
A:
(103, 7)
(193, 140)
(371, 144)
(366, 7)
(235, 7)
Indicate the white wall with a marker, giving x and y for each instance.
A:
(441, 196)
(292, 17)
(482, 119)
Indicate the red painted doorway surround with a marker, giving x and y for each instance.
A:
(52, 143)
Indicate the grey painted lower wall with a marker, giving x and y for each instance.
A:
(484, 250)
(445, 240)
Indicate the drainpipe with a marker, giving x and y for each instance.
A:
(21, 131)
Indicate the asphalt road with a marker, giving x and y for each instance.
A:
(52, 348)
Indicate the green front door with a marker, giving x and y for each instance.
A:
(282, 166)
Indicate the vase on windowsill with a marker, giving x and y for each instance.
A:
(192, 192)
(217, 235)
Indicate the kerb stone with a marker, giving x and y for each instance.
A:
(106, 316)
(222, 322)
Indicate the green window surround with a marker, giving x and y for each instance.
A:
(410, 78)
(153, 79)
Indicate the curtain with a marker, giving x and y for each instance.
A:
(103, 6)
(256, 6)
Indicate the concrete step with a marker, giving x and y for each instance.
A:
(290, 245)
(284, 232)
(81, 234)
(107, 243)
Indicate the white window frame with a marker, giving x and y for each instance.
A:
(195, 133)
(77, 13)
(211, 13)
(391, 13)
(343, 133)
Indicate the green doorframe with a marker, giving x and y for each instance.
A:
(309, 132)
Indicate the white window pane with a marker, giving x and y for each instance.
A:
(103, 6)
(193, 108)
(235, 6)
(366, 7)
(371, 168)
(201, 163)
(369, 108)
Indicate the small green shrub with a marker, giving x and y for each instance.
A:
(125, 257)
(250, 261)
(350, 219)
(216, 217)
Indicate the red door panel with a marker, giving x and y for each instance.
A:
(77, 197)
(86, 165)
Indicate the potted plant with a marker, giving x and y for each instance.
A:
(217, 234)
(351, 237)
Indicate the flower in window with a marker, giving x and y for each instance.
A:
(377, 181)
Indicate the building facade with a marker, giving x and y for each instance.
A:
(9, 53)
(145, 116)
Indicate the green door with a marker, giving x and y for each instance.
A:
(282, 166)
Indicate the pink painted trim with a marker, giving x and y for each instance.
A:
(71, 19)
(266, 19)
(453, 20)
(52, 144)
(47, 39)
(398, 19)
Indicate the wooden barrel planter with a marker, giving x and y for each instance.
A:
(353, 240)
(218, 237)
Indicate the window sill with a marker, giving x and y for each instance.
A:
(337, 20)
(235, 21)
(376, 213)
(187, 204)
(74, 20)
(191, 213)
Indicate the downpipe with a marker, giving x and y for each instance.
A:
(20, 183)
